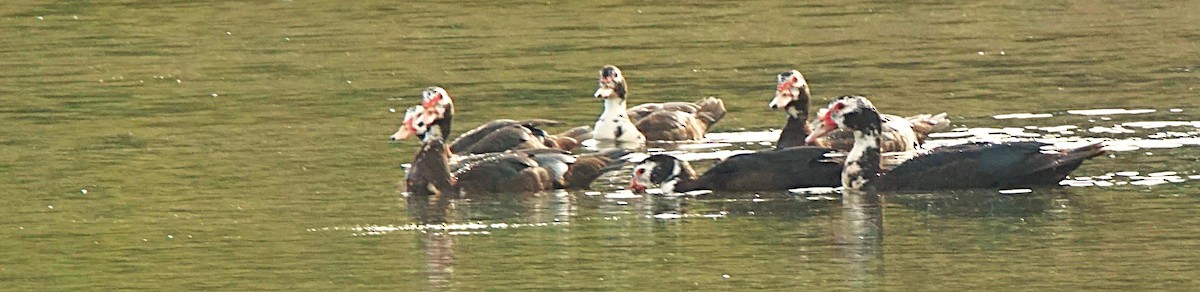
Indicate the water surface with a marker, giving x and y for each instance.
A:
(242, 145)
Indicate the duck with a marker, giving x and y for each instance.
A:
(515, 171)
(497, 135)
(767, 170)
(670, 121)
(964, 166)
(899, 134)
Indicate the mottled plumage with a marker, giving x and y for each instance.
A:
(792, 94)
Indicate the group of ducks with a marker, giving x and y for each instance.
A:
(844, 147)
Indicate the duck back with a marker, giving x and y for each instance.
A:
(780, 169)
(985, 165)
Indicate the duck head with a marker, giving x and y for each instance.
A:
(659, 169)
(851, 112)
(791, 91)
(417, 121)
(436, 98)
(612, 83)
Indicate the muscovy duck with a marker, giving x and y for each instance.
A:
(671, 121)
(973, 165)
(899, 134)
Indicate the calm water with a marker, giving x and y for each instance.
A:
(242, 145)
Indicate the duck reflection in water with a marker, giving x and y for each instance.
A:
(859, 233)
(439, 214)
(438, 245)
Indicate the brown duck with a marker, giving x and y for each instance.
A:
(518, 171)
(671, 121)
(498, 135)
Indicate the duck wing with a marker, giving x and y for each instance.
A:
(501, 135)
(506, 173)
(671, 126)
(569, 140)
(924, 124)
(780, 169)
(642, 110)
(588, 167)
(473, 136)
(986, 165)
(711, 110)
(511, 137)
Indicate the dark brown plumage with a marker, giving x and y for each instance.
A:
(515, 171)
(676, 121)
(495, 136)
(975, 165)
(767, 170)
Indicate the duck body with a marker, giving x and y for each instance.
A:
(614, 124)
(514, 171)
(985, 165)
(430, 171)
(899, 134)
(671, 121)
(975, 165)
(504, 173)
(504, 134)
(768, 170)
(677, 121)
(498, 135)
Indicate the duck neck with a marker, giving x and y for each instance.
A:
(862, 163)
(444, 122)
(430, 171)
(796, 128)
(614, 108)
(682, 181)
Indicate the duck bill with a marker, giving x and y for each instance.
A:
(636, 187)
(402, 134)
(824, 129)
(780, 101)
(603, 92)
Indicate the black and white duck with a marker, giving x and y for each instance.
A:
(973, 165)
(517, 171)
(898, 134)
(670, 121)
(768, 170)
(498, 135)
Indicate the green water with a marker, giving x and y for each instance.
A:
(242, 145)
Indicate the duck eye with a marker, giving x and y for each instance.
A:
(420, 124)
(640, 171)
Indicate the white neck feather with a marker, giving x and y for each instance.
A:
(614, 124)
(614, 107)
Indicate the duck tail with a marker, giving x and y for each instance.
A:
(1078, 155)
(578, 133)
(568, 140)
(589, 167)
(924, 124)
(538, 123)
(1067, 160)
(712, 109)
